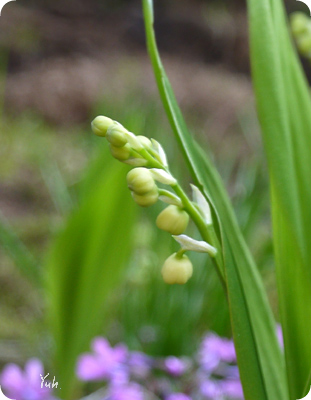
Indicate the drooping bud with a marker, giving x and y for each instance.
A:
(101, 124)
(299, 23)
(147, 199)
(116, 135)
(304, 44)
(121, 153)
(177, 269)
(140, 180)
(173, 220)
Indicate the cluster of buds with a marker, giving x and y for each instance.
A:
(301, 28)
(150, 169)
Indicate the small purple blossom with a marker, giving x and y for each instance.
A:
(139, 364)
(119, 376)
(25, 385)
(102, 362)
(175, 366)
(178, 396)
(131, 391)
(215, 350)
(211, 390)
(232, 389)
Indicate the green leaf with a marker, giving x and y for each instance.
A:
(259, 357)
(86, 263)
(284, 107)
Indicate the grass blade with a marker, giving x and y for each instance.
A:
(284, 105)
(85, 264)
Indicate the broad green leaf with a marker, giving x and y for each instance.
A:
(260, 360)
(284, 106)
(86, 263)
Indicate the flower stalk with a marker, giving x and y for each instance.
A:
(150, 166)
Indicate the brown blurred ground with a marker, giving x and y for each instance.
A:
(64, 56)
(62, 62)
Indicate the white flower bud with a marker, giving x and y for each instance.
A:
(145, 141)
(140, 180)
(121, 153)
(116, 135)
(177, 269)
(173, 220)
(101, 124)
(147, 199)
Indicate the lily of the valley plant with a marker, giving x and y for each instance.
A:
(284, 110)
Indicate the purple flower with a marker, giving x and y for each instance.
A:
(25, 385)
(232, 388)
(102, 362)
(214, 350)
(211, 390)
(119, 376)
(175, 366)
(131, 391)
(178, 396)
(139, 364)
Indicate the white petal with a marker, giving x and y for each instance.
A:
(159, 149)
(175, 201)
(188, 243)
(203, 204)
(162, 176)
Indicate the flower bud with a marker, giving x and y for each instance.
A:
(173, 220)
(140, 180)
(101, 124)
(145, 141)
(116, 135)
(304, 44)
(177, 270)
(147, 199)
(121, 153)
(299, 23)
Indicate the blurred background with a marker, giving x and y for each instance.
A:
(63, 63)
